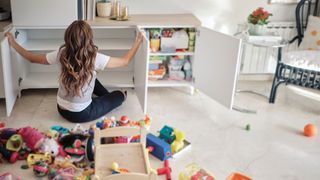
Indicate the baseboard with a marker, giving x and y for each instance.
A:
(255, 77)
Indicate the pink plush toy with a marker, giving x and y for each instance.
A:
(32, 137)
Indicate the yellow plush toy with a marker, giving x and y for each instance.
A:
(178, 143)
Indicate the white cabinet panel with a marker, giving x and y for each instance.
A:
(141, 73)
(216, 65)
(43, 13)
(10, 75)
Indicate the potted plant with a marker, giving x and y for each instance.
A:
(258, 21)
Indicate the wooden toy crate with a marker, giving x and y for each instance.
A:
(131, 156)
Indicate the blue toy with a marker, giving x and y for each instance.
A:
(166, 133)
(160, 148)
(60, 129)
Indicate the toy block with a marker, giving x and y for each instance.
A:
(160, 148)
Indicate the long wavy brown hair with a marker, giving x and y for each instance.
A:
(77, 57)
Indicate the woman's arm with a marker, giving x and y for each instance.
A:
(115, 62)
(34, 58)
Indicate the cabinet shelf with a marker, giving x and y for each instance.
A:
(41, 80)
(172, 54)
(54, 44)
(169, 83)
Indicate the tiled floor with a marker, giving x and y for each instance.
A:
(274, 148)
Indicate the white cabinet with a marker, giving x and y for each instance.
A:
(10, 75)
(43, 13)
(216, 65)
(1, 73)
(215, 60)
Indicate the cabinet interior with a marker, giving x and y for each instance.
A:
(113, 42)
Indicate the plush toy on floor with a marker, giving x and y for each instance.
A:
(178, 143)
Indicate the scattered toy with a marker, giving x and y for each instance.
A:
(50, 146)
(2, 124)
(159, 148)
(166, 170)
(178, 143)
(33, 158)
(24, 166)
(166, 133)
(194, 172)
(11, 157)
(32, 137)
(310, 130)
(40, 169)
(248, 127)
(238, 176)
(14, 143)
(116, 170)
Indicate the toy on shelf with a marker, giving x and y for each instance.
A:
(154, 35)
(238, 176)
(178, 143)
(166, 170)
(116, 170)
(14, 143)
(176, 68)
(40, 169)
(310, 130)
(187, 70)
(194, 172)
(32, 137)
(33, 158)
(158, 147)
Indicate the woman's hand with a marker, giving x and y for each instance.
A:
(10, 37)
(139, 37)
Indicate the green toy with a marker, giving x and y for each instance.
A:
(14, 143)
(166, 133)
(248, 127)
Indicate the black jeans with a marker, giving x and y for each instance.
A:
(100, 106)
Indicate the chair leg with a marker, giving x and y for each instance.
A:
(273, 92)
(274, 89)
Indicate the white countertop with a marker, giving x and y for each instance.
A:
(156, 20)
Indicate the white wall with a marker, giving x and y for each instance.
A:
(221, 15)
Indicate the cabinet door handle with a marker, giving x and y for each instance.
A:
(16, 34)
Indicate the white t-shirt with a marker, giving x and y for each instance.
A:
(77, 103)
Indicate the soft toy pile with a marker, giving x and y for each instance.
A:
(59, 153)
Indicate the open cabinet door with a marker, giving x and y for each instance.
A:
(216, 65)
(141, 69)
(10, 75)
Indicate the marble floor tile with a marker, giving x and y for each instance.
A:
(274, 148)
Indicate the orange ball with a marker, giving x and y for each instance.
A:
(310, 130)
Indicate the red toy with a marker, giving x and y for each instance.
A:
(165, 170)
(32, 137)
(124, 121)
(310, 130)
(9, 156)
(2, 124)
